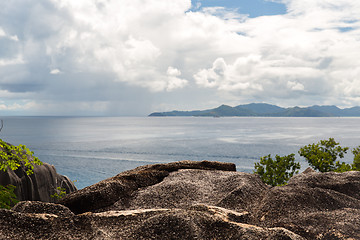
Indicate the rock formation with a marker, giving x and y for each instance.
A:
(315, 206)
(119, 189)
(38, 186)
(195, 200)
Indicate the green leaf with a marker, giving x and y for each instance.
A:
(277, 172)
(13, 156)
(322, 156)
(7, 196)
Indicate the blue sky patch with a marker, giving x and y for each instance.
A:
(346, 29)
(253, 8)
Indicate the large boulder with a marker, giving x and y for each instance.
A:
(314, 205)
(120, 189)
(42, 208)
(38, 186)
(198, 222)
(195, 200)
(187, 187)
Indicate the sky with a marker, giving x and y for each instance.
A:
(134, 57)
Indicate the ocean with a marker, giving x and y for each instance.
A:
(90, 149)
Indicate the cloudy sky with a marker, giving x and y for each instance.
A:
(133, 57)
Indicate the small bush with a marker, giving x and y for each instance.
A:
(12, 157)
(59, 193)
(323, 156)
(7, 196)
(277, 172)
(356, 163)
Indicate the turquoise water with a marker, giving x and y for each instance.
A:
(91, 149)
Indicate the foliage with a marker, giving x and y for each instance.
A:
(7, 196)
(59, 194)
(322, 156)
(12, 156)
(277, 172)
(356, 163)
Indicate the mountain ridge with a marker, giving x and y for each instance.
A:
(265, 110)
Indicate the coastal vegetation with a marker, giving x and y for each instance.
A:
(59, 193)
(12, 157)
(322, 156)
(7, 196)
(277, 172)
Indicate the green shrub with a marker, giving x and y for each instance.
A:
(276, 172)
(323, 156)
(11, 157)
(7, 196)
(59, 193)
(356, 163)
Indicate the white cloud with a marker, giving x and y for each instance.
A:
(304, 51)
(4, 35)
(174, 82)
(224, 13)
(173, 72)
(23, 106)
(295, 86)
(55, 71)
(212, 77)
(2, 32)
(14, 61)
(308, 54)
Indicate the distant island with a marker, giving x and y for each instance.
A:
(265, 110)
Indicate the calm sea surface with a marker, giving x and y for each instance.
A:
(91, 149)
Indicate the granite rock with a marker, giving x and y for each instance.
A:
(195, 200)
(199, 222)
(314, 205)
(119, 189)
(37, 186)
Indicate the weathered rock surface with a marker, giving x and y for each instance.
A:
(195, 200)
(120, 188)
(202, 223)
(315, 206)
(38, 186)
(42, 207)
